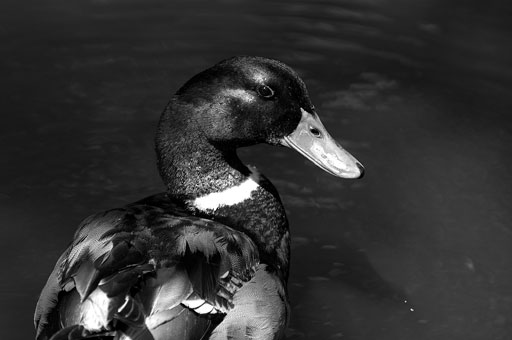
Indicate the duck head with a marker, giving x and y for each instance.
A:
(244, 101)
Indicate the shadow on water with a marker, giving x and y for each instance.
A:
(343, 273)
(344, 263)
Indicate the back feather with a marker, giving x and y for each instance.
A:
(147, 260)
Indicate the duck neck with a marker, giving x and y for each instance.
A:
(214, 183)
(197, 169)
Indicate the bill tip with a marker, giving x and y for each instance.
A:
(361, 170)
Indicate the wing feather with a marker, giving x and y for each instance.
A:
(150, 264)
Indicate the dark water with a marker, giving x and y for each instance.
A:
(419, 92)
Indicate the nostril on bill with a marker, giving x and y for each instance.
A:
(315, 132)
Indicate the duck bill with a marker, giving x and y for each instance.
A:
(312, 140)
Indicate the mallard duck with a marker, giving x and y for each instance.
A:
(209, 258)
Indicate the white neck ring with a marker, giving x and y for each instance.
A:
(230, 196)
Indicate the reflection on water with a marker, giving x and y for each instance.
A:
(418, 92)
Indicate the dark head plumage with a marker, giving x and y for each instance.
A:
(238, 102)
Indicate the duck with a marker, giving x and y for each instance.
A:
(209, 257)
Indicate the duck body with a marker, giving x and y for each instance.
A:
(209, 258)
(159, 267)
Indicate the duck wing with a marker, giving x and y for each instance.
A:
(134, 269)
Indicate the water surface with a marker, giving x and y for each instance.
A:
(417, 92)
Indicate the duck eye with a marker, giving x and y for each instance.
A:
(315, 132)
(265, 91)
